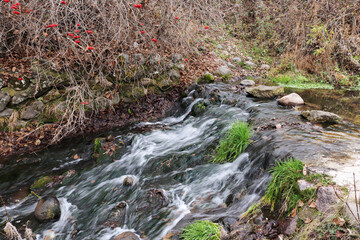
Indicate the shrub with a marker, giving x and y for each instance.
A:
(283, 190)
(234, 143)
(201, 230)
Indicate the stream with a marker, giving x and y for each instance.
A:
(172, 155)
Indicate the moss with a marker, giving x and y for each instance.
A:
(201, 230)
(206, 78)
(41, 183)
(97, 145)
(10, 91)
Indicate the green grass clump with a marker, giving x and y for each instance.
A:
(299, 81)
(235, 142)
(201, 230)
(283, 191)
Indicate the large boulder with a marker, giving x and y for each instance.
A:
(318, 116)
(47, 209)
(127, 236)
(265, 91)
(4, 100)
(247, 83)
(290, 100)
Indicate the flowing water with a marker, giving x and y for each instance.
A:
(172, 156)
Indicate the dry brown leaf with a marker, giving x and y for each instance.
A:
(293, 212)
(338, 221)
(300, 203)
(76, 157)
(38, 142)
(339, 234)
(312, 204)
(307, 220)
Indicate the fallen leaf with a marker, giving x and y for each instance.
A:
(38, 142)
(293, 212)
(76, 157)
(278, 126)
(307, 220)
(300, 203)
(312, 204)
(338, 221)
(339, 234)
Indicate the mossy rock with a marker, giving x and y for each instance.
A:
(41, 183)
(206, 78)
(10, 91)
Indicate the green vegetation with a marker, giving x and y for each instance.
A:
(234, 143)
(201, 230)
(283, 191)
(298, 81)
(41, 182)
(207, 78)
(97, 147)
(201, 106)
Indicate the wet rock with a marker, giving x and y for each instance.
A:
(128, 181)
(265, 66)
(174, 74)
(247, 83)
(127, 236)
(7, 112)
(224, 71)
(49, 234)
(198, 108)
(249, 63)
(265, 91)
(303, 185)
(155, 199)
(176, 57)
(326, 199)
(117, 216)
(292, 99)
(41, 183)
(237, 59)
(4, 100)
(32, 110)
(271, 229)
(47, 209)
(288, 225)
(318, 116)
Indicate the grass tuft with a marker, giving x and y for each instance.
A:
(283, 190)
(201, 230)
(235, 142)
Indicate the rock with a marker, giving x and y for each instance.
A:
(237, 59)
(2, 82)
(224, 71)
(288, 225)
(155, 199)
(307, 213)
(139, 58)
(52, 95)
(123, 58)
(32, 110)
(176, 57)
(318, 116)
(219, 46)
(47, 208)
(326, 199)
(249, 63)
(249, 59)
(7, 112)
(128, 181)
(117, 215)
(127, 236)
(292, 99)
(303, 185)
(225, 53)
(180, 66)
(198, 108)
(230, 65)
(265, 91)
(41, 183)
(207, 78)
(154, 59)
(247, 83)
(147, 82)
(265, 66)
(174, 74)
(4, 100)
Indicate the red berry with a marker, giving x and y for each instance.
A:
(63, 2)
(77, 41)
(142, 31)
(6, 1)
(206, 27)
(176, 18)
(77, 31)
(16, 12)
(14, 7)
(91, 48)
(20, 79)
(84, 103)
(70, 34)
(88, 31)
(154, 40)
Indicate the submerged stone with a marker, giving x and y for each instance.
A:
(318, 116)
(41, 183)
(127, 236)
(47, 209)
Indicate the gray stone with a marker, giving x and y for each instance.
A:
(123, 58)
(292, 99)
(32, 111)
(326, 199)
(303, 185)
(2, 82)
(4, 100)
(249, 63)
(174, 74)
(318, 116)
(265, 66)
(230, 65)
(154, 58)
(180, 66)
(139, 58)
(7, 112)
(288, 225)
(249, 59)
(117, 215)
(147, 82)
(265, 91)
(224, 70)
(176, 57)
(127, 236)
(219, 46)
(225, 53)
(307, 213)
(247, 83)
(237, 59)
(52, 95)
(47, 209)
